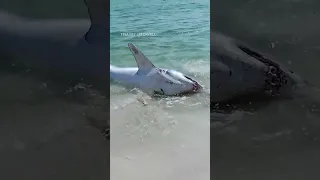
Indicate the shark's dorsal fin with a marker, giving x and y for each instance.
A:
(143, 62)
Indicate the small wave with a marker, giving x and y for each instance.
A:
(200, 66)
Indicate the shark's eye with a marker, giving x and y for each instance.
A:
(160, 71)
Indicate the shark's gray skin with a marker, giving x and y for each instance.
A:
(73, 48)
(239, 70)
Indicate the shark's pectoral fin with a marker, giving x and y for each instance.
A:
(144, 64)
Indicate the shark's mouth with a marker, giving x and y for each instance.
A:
(196, 87)
(276, 78)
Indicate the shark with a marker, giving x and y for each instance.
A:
(151, 79)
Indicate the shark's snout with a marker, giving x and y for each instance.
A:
(196, 87)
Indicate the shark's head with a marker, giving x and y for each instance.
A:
(162, 81)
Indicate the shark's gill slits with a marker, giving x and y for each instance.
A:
(169, 82)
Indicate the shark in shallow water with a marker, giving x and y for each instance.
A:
(152, 79)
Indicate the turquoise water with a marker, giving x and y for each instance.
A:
(167, 138)
(177, 32)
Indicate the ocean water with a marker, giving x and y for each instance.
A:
(168, 138)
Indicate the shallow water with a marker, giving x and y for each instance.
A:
(278, 139)
(169, 137)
